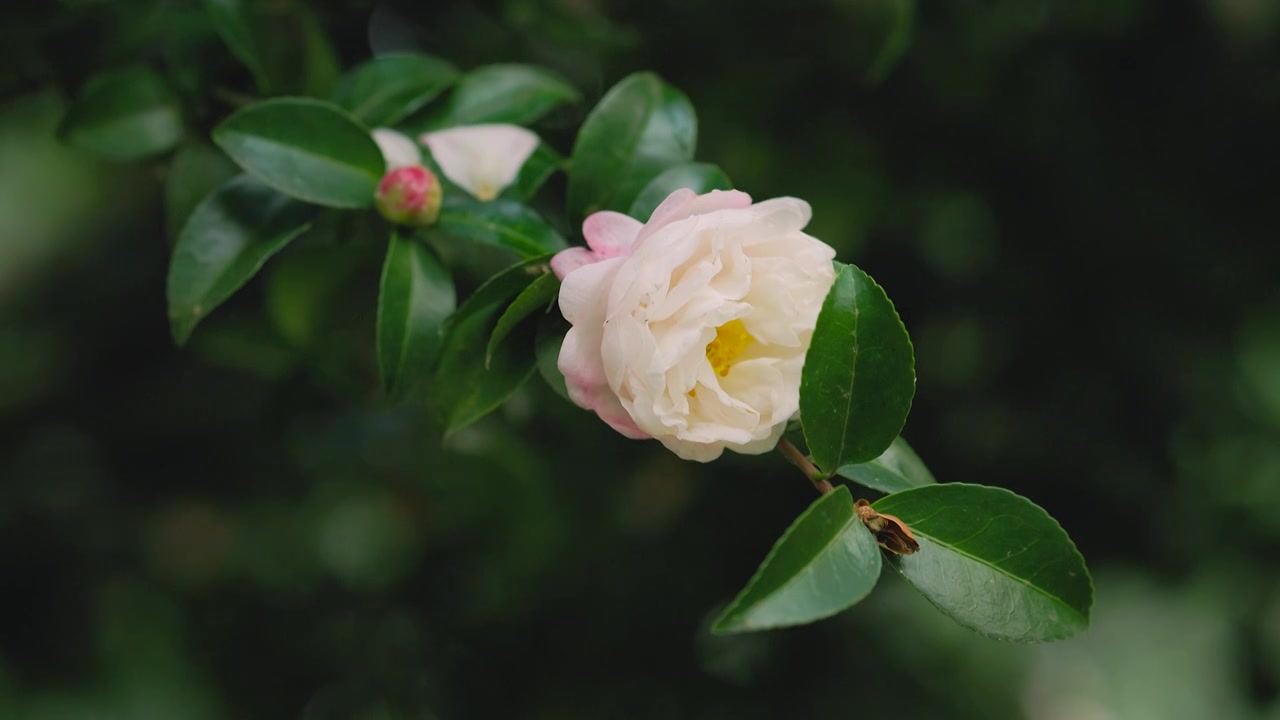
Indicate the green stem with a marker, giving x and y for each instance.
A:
(800, 460)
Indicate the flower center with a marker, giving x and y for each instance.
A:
(731, 339)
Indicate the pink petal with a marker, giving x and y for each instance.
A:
(566, 261)
(717, 200)
(584, 377)
(671, 207)
(610, 233)
(584, 291)
(684, 203)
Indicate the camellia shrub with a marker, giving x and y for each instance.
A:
(680, 310)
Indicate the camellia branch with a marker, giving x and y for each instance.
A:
(800, 460)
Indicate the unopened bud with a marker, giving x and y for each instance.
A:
(409, 196)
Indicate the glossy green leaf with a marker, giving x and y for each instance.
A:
(125, 114)
(507, 93)
(501, 223)
(534, 298)
(898, 468)
(231, 18)
(224, 243)
(699, 177)
(993, 561)
(641, 127)
(859, 374)
(414, 298)
(306, 149)
(547, 342)
(281, 42)
(465, 389)
(197, 170)
(825, 562)
(387, 89)
(539, 168)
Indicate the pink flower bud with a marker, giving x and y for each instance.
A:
(409, 196)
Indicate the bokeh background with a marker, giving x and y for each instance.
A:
(1072, 203)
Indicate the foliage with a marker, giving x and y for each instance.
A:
(263, 143)
(634, 147)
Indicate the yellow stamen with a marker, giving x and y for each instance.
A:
(731, 339)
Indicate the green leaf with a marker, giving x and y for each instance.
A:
(414, 298)
(224, 243)
(501, 223)
(898, 468)
(306, 149)
(540, 166)
(547, 342)
(125, 114)
(825, 562)
(197, 170)
(537, 296)
(463, 389)
(698, 177)
(387, 89)
(515, 94)
(281, 42)
(993, 561)
(231, 20)
(641, 127)
(897, 40)
(859, 374)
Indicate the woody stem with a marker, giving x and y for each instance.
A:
(800, 460)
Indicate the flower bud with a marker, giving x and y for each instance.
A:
(409, 196)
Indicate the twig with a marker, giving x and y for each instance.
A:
(797, 458)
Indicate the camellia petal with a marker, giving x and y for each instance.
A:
(609, 233)
(397, 149)
(482, 159)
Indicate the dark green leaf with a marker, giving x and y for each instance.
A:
(501, 223)
(993, 561)
(197, 170)
(281, 42)
(641, 127)
(825, 562)
(224, 243)
(125, 114)
(898, 468)
(515, 94)
(859, 374)
(463, 389)
(385, 90)
(306, 149)
(537, 296)
(231, 18)
(549, 338)
(415, 297)
(536, 170)
(698, 177)
(900, 28)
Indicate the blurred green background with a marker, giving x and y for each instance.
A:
(1070, 201)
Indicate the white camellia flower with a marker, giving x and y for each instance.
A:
(482, 159)
(692, 328)
(398, 150)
